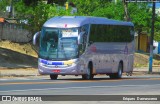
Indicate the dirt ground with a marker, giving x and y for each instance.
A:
(16, 55)
(20, 55)
(142, 60)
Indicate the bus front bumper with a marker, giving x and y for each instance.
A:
(71, 70)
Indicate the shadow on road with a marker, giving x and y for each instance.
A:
(105, 79)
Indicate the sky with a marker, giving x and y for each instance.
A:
(157, 5)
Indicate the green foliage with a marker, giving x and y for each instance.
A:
(140, 16)
(157, 29)
(59, 2)
(86, 7)
(3, 4)
(30, 2)
(37, 15)
(23, 11)
(140, 13)
(111, 11)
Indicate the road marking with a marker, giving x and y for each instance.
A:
(60, 82)
(75, 81)
(141, 79)
(24, 83)
(65, 88)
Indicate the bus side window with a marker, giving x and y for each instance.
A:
(132, 32)
(83, 38)
(93, 34)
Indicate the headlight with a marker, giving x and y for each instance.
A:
(74, 62)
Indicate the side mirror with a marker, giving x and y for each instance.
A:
(36, 37)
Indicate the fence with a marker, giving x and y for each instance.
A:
(14, 32)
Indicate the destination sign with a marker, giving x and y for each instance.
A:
(69, 32)
(142, 0)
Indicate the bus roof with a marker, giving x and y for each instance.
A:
(77, 21)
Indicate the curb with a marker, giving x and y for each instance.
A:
(34, 72)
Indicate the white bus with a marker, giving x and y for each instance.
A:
(87, 46)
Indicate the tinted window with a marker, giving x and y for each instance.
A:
(111, 33)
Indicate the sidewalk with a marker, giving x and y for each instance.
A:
(155, 70)
(21, 72)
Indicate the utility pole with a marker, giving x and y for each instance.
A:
(11, 9)
(126, 17)
(151, 39)
(66, 5)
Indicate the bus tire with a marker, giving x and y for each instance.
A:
(89, 75)
(117, 75)
(53, 76)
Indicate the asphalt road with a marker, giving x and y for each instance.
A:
(76, 86)
(101, 85)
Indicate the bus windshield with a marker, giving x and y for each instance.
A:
(58, 44)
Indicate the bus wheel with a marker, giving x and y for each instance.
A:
(53, 76)
(89, 74)
(118, 74)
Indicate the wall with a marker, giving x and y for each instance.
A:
(14, 32)
(155, 47)
(143, 43)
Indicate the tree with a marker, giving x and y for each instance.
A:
(157, 29)
(49, 1)
(37, 15)
(86, 7)
(110, 11)
(31, 2)
(126, 14)
(140, 15)
(59, 2)
(3, 5)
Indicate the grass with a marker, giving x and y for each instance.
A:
(20, 54)
(17, 55)
(142, 60)
(24, 48)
